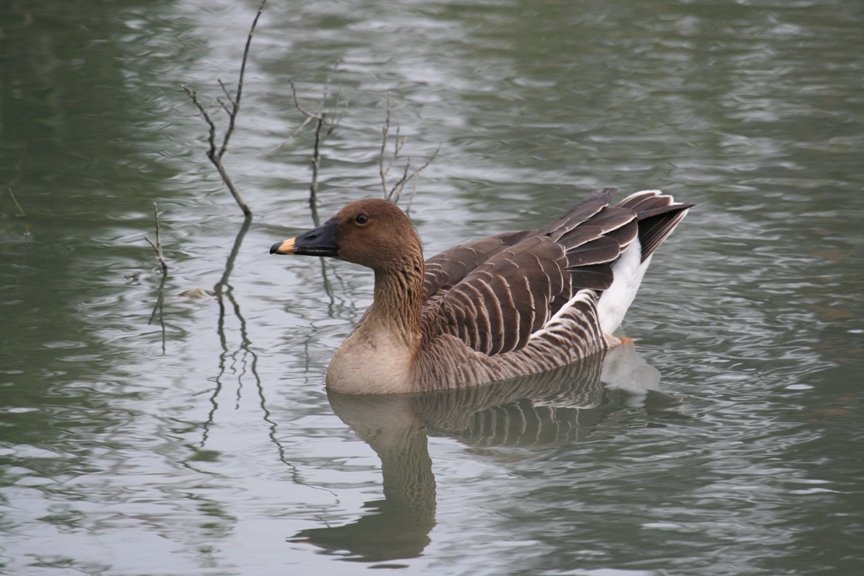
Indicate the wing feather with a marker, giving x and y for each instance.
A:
(446, 269)
(497, 293)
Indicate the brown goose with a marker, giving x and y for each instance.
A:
(504, 306)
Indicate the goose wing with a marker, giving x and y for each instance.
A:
(450, 267)
(495, 293)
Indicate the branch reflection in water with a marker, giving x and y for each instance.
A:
(537, 412)
(244, 356)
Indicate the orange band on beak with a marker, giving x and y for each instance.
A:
(287, 247)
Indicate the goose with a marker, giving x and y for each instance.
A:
(492, 309)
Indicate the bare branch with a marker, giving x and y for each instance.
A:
(400, 185)
(21, 213)
(385, 164)
(385, 130)
(215, 154)
(299, 128)
(225, 91)
(235, 108)
(316, 166)
(306, 113)
(396, 191)
(211, 138)
(320, 135)
(224, 107)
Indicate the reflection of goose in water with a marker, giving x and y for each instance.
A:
(533, 412)
(492, 309)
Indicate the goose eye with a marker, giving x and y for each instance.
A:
(361, 219)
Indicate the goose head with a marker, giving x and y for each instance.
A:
(371, 232)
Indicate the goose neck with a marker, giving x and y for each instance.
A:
(398, 302)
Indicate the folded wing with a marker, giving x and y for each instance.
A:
(494, 293)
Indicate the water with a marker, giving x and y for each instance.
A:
(194, 436)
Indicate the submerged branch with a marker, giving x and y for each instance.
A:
(160, 298)
(159, 307)
(157, 247)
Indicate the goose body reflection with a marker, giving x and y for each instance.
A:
(509, 419)
(492, 309)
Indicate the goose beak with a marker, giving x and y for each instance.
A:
(320, 241)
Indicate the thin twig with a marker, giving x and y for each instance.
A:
(385, 164)
(157, 247)
(306, 113)
(396, 193)
(385, 130)
(21, 214)
(211, 132)
(235, 102)
(320, 135)
(316, 165)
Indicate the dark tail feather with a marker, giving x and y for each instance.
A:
(588, 207)
(656, 224)
(657, 215)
